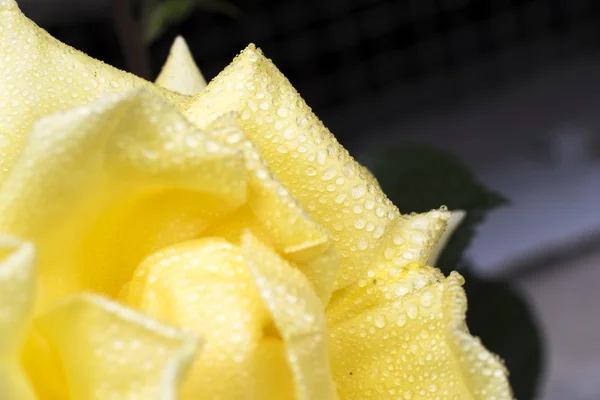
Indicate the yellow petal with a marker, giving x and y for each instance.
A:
(110, 352)
(41, 75)
(127, 172)
(206, 286)
(454, 222)
(274, 215)
(180, 73)
(415, 346)
(304, 156)
(402, 253)
(17, 290)
(298, 316)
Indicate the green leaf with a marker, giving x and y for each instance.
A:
(418, 178)
(501, 317)
(159, 15)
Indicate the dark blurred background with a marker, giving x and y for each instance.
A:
(386, 59)
(511, 87)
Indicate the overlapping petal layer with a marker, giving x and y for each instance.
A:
(335, 190)
(41, 75)
(110, 352)
(264, 326)
(106, 350)
(415, 346)
(402, 334)
(297, 314)
(383, 253)
(121, 178)
(276, 217)
(403, 254)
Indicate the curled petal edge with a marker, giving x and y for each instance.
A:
(17, 292)
(72, 325)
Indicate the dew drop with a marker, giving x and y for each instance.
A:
(321, 157)
(427, 299)
(412, 311)
(363, 244)
(191, 141)
(358, 191)
(282, 112)
(329, 174)
(360, 223)
(339, 199)
(398, 240)
(401, 321)
(389, 253)
(380, 321)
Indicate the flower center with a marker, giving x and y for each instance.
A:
(204, 285)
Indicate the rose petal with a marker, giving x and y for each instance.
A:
(204, 286)
(108, 351)
(415, 345)
(17, 290)
(403, 252)
(180, 73)
(41, 75)
(298, 316)
(304, 156)
(274, 215)
(127, 172)
(251, 350)
(454, 222)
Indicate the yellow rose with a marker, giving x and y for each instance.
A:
(169, 240)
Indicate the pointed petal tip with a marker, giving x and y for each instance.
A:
(252, 48)
(456, 218)
(179, 45)
(180, 72)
